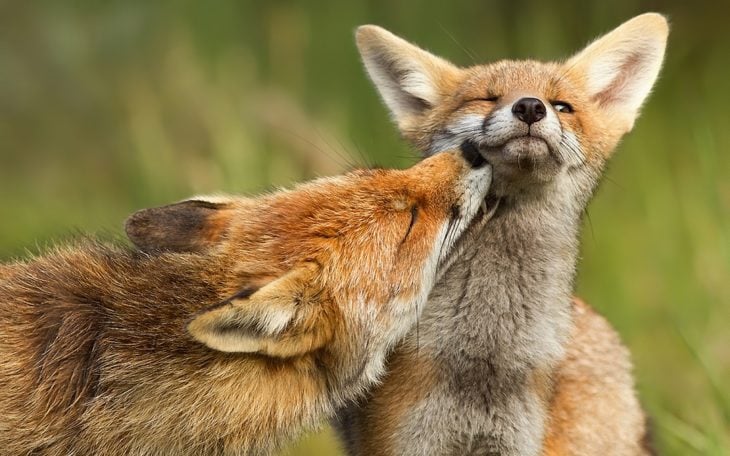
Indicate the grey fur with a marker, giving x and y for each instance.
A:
(501, 311)
(497, 323)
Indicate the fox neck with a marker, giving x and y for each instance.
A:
(369, 346)
(509, 294)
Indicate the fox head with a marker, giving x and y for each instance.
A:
(344, 262)
(533, 121)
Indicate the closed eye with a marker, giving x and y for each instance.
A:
(414, 217)
(491, 99)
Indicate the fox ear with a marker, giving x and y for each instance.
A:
(280, 320)
(620, 68)
(410, 80)
(189, 226)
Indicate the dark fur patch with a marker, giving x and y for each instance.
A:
(455, 211)
(472, 155)
(647, 440)
(244, 293)
(241, 328)
(181, 227)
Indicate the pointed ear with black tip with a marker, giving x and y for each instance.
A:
(410, 80)
(194, 225)
(282, 319)
(620, 68)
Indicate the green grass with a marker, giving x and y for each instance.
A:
(110, 107)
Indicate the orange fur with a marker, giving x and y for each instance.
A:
(95, 357)
(592, 385)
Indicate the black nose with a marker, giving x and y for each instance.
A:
(529, 110)
(471, 154)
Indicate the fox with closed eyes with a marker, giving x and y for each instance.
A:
(506, 361)
(239, 324)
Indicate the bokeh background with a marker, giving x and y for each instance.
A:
(108, 107)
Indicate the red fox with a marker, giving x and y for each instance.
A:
(505, 362)
(246, 322)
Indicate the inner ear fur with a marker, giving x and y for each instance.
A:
(620, 68)
(189, 226)
(410, 80)
(287, 317)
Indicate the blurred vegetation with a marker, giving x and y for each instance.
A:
(108, 107)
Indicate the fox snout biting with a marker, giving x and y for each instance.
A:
(343, 228)
(241, 323)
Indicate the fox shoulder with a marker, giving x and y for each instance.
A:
(594, 406)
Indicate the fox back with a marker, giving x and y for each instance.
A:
(497, 358)
(240, 322)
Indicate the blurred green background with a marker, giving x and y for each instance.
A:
(108, 107)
